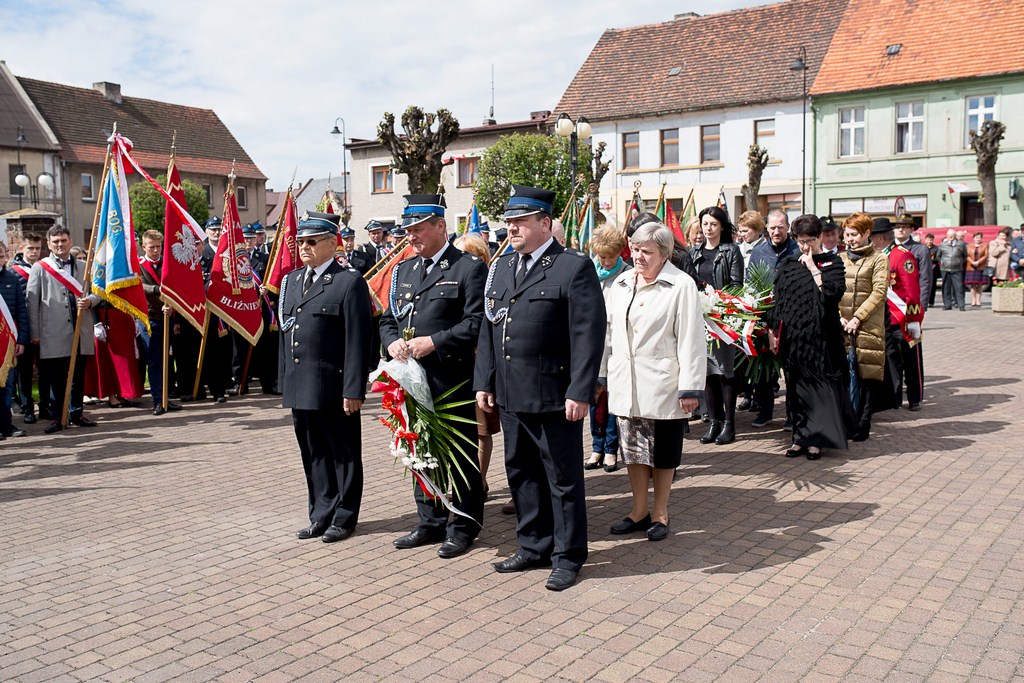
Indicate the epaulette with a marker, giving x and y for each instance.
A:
(574, 252)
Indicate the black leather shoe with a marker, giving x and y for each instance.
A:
(15, 433)
(416, 538)
(337, 533)
(311, 531)
(761, 421)
(560, 579)
(453, 547)
(518, 563)
(158, 409)
(657, 532)
(628, 526)
(714, 429)
(82, 421)
(53, 428)
(811, 455)
(508, 508)
(727, 435)
(220, 399)
(796, 452)
(187, 398)
(787, 426)
(914, 407)
(29, 419)
(593, 465)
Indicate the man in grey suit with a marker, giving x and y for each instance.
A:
(53, 309)
(953, 261)
(324, 361)
(538, 358)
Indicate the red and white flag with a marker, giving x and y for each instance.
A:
(956, 187)
(233, 294)
(181, 277)
(284, 257)
(8, 337)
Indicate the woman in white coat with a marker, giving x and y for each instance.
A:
(654, 370)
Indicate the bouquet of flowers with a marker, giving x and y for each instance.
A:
(425, 437)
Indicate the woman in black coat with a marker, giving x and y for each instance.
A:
(806, 332)
(719, 263)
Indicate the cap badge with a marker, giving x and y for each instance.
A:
(304, 216)
(513, 192)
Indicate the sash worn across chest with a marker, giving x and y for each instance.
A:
(70, 283)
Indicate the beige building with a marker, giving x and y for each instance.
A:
(377, 191)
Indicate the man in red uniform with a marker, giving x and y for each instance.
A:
(904, 313)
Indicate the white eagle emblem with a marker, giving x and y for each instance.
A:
(186, 249)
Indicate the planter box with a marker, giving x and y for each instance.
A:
(1008, 300)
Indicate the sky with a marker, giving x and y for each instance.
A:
(278, 74)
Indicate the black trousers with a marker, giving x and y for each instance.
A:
(913, 373)
(467, 497)
(330, 443)
(952, 289)
(544, 464)
(25, 363)
(186, 356)
(54, 372)
(155, 362)
(216, 362)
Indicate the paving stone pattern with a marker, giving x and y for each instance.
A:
(162, 549)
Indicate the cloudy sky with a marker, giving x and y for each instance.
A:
(279, 73)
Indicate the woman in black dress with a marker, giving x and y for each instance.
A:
(806, 332)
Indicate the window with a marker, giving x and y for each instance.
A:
(383, 179)
(242, 197)
(14, 171)
(764, 132)
(631, 150)
(208, 189)
(909, 127)
(467, 171)
(980, 108)
(461, 221)
(710, 144)
(851, 132)
(87, 189)
(670, 147)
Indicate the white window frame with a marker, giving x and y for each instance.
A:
(910, 120)
(983, 113)
(852, 127)
(92, 187)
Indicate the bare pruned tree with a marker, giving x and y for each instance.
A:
(985, 144)
(419, 150)
(757, 161)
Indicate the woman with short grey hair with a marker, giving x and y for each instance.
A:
(654, 371)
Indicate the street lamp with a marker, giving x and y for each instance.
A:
(344, 158)
(21, 140)
(43, 180)
(800, 64)
(577, 130)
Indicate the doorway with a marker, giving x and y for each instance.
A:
(972, 212)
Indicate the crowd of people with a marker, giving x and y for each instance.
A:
(532, 341)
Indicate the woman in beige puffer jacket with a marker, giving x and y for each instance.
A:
(863, 311)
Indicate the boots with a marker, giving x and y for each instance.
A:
(714, 429)
(727, 435)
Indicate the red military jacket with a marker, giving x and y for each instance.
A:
(904, 297)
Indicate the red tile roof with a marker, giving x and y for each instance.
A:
(81, 118)
(938, 41)
(728, 59)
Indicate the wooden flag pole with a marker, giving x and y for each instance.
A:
(86, 288)
(278, 234)
(202, 352)
(243, 386)
(167, 356)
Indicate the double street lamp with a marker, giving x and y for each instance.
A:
(800, 64)
(344, 158)
(576, 130)
(43, 180)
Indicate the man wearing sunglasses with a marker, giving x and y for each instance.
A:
(324, 360)
(434, 316)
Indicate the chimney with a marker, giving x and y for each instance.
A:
(540, 115)
(110, 91)
(686, 15)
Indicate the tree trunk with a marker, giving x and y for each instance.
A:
(418, 153)
(985, 144)
(757, 161)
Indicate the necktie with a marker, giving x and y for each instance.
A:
(524, 264)
(308, 282)
(427, 262)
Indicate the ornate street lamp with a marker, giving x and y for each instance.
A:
(577, 130)
(43, 180)
(800, 64)
(344, 159)
(21, 140)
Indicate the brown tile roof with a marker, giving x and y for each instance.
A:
(939, 41)
(15, 112)
(727, 59)
(80, 116)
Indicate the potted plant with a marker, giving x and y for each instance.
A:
(1008, 297)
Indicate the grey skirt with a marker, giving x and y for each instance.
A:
(722, 360)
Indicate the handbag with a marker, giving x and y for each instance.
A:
(989, 272)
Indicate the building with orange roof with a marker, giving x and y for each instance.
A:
(902, 84)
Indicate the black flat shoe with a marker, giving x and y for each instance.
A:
(796, 452)
(416, 538)
(311, 531)
(614, 466)
(628, 526)
(29, 419)
(53, 427)
(592, 464)
(811, 455)
(561, 579)
(453, 547)
(518, 563)
(82, 421)
(657, 532)
(714, 429)
(337, 533)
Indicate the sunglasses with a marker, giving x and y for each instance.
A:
(309, 241)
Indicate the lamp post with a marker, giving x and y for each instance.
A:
(576, 130)
(344, 158)
(21, 140)
(800, 64)
(43, 180)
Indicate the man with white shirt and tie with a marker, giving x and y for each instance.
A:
(55, 294)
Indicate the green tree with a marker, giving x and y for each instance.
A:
(535, 160)
(148, 204)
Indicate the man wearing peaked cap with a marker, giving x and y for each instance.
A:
(353, 258)
(538, 358)
(325, 322)
(217, 356)
(377, 247)
(434, 317)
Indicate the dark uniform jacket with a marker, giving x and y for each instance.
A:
(547, 345)
(372, 252)
(12, 289)
(447, 306)
(325, 339)
(358, 261)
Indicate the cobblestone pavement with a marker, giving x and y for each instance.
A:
(154, 549)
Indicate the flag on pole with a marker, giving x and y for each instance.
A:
(722, 203)
(586, 229)
(689, 211)
(8, 338)
(659, 208)
(380, 281)
(181, 277)
(232, 293)
(116, 273)
(673, 224)
(473, 225)
(284, 256)
(571, 223)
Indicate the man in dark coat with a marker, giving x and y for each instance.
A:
(152, 274)
(355, 259)
(537, 359)
(913, 356)
(435, 318)
(324, 362)
(12, 290)
(217, 357)
(377, 247)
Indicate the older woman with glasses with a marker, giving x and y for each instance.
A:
(654, 366)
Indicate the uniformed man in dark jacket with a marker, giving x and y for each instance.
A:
(352, 258)
(377, 247)
(257, 364)
(217, 357)
(324, 362)
(435, 318)
(537, 359)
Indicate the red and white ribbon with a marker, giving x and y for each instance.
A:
(70, 283)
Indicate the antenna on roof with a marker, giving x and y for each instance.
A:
(489, 121)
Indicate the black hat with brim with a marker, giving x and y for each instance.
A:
(526, 201)
(312, 224)
(881, 226)
(422, 207)
(214, 222)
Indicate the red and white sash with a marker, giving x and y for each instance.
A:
(70, 283)
(19, 269)
(150, 268)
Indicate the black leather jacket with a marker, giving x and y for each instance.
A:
(728, 264)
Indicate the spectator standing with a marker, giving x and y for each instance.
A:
(1017, 253)
(953, 261)
(977, 261)
(933, 255)
(750, 231)
(999, 256)
(22, 263)
(12, 289)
